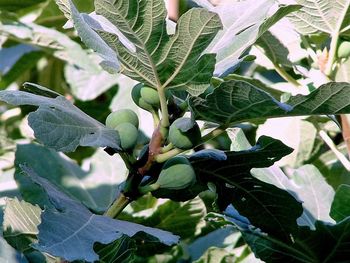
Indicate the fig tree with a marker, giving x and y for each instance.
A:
(128, 135)
(177, 173)
(184, 139)
(122, 116)
(344, 49)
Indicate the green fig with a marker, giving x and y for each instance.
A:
(150, 96)
(128, 135)
(344, 49)
(138, 99)
(122, 116)
(177, 173)
(184, 140)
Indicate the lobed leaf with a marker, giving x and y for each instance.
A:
(238, 101)
(81, 228)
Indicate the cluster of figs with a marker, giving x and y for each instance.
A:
(177, 172)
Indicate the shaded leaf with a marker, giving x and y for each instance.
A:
(15, 5)
(340, 206)
(9, 254)
(275, 211)
(60, 125)
(122, 250)
(274, 49)
(82, 228)
(329, 243)
(179, 218)
(307, 185)
(238, 101)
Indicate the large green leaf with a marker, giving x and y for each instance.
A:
(275, 210)
(136, 31)
(316, 16)
(96, 188)
(59, 124)
(244, 22)
(49, 40)
(82, 226)
(238, 101)
(340, 206)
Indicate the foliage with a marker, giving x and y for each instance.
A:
(233, 147)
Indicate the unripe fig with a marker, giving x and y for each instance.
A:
(344, 49)
(138, 99)
(128, 134)
(184, 140)
(150, 96)
(122, 116)
(177, 173)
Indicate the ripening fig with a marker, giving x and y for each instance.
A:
(177, 173)
(122, 116)
(150, 96)
(184, 140)
(128, 135)
(344, 49)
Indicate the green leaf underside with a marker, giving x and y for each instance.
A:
(159, 59)
(275, 210)
(74, 237)
(21, 220)
(329, 243)
(238, 101)
(60, 125)
(317, 16)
